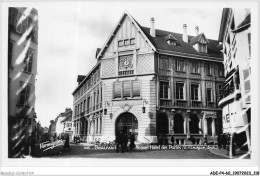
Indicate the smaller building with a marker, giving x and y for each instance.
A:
(235, 35)
(63, 124)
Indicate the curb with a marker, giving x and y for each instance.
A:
(215, 153)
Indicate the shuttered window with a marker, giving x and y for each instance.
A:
(117, 89)
(180, 65)
(126, 89)
(164, 86)
(136, 88)
(164, 63)
(24, 94)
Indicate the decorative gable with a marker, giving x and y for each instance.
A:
(200, 43)
(127, 35)
(171, 40)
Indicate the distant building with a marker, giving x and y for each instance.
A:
(22, 70)
(64, 124)
(153, 83)
(235, 35)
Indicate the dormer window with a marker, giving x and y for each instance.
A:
(202, 47)
(171, 40)
(200, 43)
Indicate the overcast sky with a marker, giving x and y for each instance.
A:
(69, 34)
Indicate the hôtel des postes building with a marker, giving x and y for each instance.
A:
(151, 82)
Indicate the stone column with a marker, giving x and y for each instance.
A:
(172, 123)
(213, 127)
(205, 126)
(184, 125)
(200, 125)
(188, 125)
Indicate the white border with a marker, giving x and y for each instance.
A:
(160, 166)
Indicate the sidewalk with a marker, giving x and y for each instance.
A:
(240, 154)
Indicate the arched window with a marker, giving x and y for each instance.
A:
(194, 124)
(162, 124)
(178, 124)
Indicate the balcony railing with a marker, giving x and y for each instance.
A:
(165, 102)
(210, 104)
(127, 72)
(164, 72)
(181, 103)
(196, 104)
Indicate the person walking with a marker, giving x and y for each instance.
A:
(172, 140)
(132, 142)
(126, 142)
(67, 143)
(119, 142)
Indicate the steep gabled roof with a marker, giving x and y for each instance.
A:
(159, 43)
(197, 39)
(112, 35)
(170, 37)
(244, 24)
(80, 78)
(182, 47)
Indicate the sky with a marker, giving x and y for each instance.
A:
(70, 33)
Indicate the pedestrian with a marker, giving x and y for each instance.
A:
(119, 142)
(67, 144)
(132, 142)
(172, 140)
(78, 140)
(126, 142)
(205, 140)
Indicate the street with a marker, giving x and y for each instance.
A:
(82, 151)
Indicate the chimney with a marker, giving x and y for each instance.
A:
(152, 30)
(197, 30)
(185, 36)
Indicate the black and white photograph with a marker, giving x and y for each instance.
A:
(127, 84)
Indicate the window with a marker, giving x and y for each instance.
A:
(195, 92)
(195, 67)
(126, 42)
(132, 41)
(171, 42)
(209, 95)
(220, 70)
(10, 52)
(136, 89)
(203, 47)
(84, 105)
(164, 86)
(126, 89)
(164, 63)
(207, 68)
(249, 43)
(28, 61)
(24, 94)
(117, 89)
(19, 27)
(120, 43)
(180, 65)
(180, 91)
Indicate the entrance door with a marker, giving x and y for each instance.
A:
(127, 123)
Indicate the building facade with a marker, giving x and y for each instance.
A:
(157, 84)
(22, 69)
(235, 35)
(64, 124)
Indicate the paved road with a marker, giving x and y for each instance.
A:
(80, 151)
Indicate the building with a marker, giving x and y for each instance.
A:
(64, 124)
(22, 70)
(235, 35)
(153, 83)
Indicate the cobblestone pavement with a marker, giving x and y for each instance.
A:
(84, 151)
